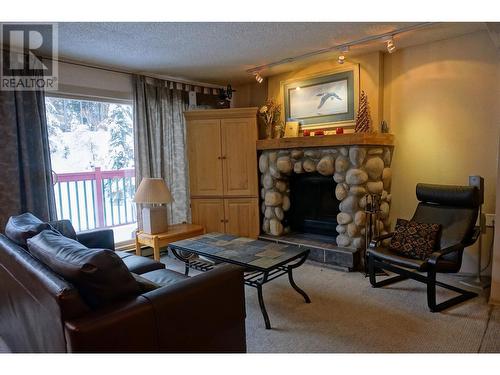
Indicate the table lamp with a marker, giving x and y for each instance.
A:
(153, 192)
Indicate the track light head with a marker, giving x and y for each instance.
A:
(341, 59)
(258, 77)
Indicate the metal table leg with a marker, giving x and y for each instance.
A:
(292, 281)
(263, 306)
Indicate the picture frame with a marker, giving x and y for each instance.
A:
(323, 100)
(291, 129)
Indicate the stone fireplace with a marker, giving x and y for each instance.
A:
(318, 185)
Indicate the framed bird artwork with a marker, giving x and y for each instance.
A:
(325, 98)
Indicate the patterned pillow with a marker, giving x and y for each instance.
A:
(415, 240)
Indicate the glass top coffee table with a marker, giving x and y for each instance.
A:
(263, 260)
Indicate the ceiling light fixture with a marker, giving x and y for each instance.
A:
(341, 59)
(258, 77)
(343, 51)
(390, 45)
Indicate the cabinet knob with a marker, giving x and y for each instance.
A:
(219, 157)
(222, 221)
(224, 157)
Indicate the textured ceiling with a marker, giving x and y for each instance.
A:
(222, 52)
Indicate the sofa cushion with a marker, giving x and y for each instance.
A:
(20, 228)
(164, 277)
(138, 264)
(415, 240)
(144, 284)
(99, 274)
(65, 228)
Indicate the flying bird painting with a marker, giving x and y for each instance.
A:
(322, 99)
(326, 96)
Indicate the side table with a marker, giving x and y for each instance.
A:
(175, 232)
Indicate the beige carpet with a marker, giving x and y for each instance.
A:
(348, 315)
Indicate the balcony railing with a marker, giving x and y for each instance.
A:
(96, 199)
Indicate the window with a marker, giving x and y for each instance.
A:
(92, 153)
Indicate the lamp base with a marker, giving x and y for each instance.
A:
(154, 219)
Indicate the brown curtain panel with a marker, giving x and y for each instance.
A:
(160, 141)
(25, 170)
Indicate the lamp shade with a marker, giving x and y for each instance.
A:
(153, 190)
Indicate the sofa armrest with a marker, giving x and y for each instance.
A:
(125, 327)
(97, 239)
(205, 313)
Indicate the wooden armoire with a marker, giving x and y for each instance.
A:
(223, 170)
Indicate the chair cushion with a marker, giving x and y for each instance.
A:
(22, 227)
(138, 264)
(99, 274)
(415, 240)
(164, 277)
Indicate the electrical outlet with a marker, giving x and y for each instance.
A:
(489, 220)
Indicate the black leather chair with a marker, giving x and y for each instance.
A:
(456, 208)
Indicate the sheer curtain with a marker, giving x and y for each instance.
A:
(160, 141)
(25, 169)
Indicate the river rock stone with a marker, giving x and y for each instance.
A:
(357, 190)
(341, 229)
(349, 204)
(273, 198)
(356, 177)
(297, 154)
(297, 167)
(269, 213)
(358, 242)
(344, 218)
(272, 157)
(263, 163)
(352, 230)
(274, 171)
(283, 153)
(326, 165)
(266, 226)
(360, 218)
(344, 151)
(263, 206)
(313, 154)
(280, 185)
(374, 167)
(375, 187)
(286, 203)
(338, 178)
(341, 164)
(267, 181)
(309, 165)
(278, 211)
(387, 157)
(340, 191)
(284, 164)
(389, 198)
(275, 227)
(343, 240)
(357, 155)
(384, 210)
(386, 178)
(362, 202)
(262, 193)
(384, 196)
(375, 151)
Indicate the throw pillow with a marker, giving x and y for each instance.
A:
(99, 274)
(22, 227)
(415, 240)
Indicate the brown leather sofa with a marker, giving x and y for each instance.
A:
(42, 312)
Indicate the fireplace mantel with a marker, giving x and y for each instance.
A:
(362, 139)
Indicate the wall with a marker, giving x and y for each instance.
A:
(495, 271)
(370, 77)
(440, 102)
(252, 94)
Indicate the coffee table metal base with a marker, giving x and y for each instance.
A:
(254, 279)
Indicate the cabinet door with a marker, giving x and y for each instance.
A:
(239, 156)
(209, 213)
(242, 216)
(204, 154)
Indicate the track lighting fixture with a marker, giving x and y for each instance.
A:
(390, 45)
(341, 59)
(258, 77)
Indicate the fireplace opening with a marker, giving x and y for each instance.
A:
(314, 207)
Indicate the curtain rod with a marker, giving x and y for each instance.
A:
(259, 68)
(148, 75)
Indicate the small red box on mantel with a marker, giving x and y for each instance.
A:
(339, 131)
(306, 133)
(319, 132)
